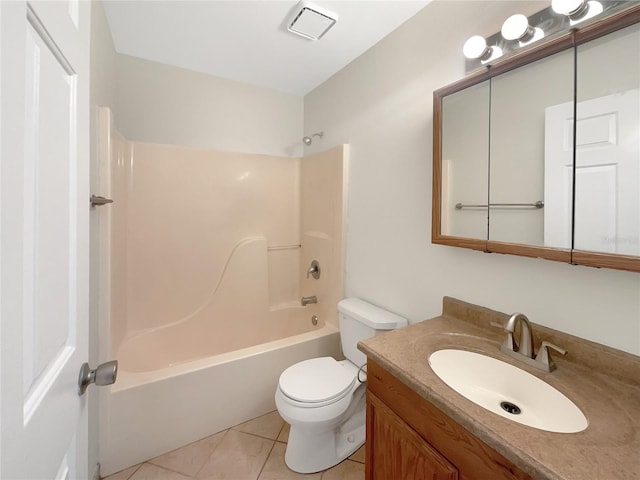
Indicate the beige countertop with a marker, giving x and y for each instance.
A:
(603, 382)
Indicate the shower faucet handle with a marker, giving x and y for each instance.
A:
(314, 270)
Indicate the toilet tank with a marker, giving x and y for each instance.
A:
(360, 320)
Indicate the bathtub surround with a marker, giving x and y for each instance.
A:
(382, 105)
(204, 242)
(324, 178)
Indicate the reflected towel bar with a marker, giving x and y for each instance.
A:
(538, 204)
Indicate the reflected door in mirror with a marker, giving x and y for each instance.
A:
(607, 198)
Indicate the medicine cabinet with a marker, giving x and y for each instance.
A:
(539, 154)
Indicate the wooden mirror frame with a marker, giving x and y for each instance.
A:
(569, 40)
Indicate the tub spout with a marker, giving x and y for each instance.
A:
(304, 301)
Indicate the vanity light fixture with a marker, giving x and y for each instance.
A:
(476, 47)
(520, 31)
(517, 27)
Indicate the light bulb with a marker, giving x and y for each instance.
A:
(569, 7)
(517, 27)
(593, 8)
(538, 34)
(475, 47)
(493, 53)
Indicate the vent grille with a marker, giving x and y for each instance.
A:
(311, 21)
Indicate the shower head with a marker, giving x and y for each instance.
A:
(309, 140)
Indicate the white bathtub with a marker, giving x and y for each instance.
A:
(150, 412)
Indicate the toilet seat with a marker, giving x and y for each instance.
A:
(316, 382)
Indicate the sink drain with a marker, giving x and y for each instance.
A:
(511, 408)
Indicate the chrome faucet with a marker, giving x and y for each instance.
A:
(523, 349)
(525, 345)
(304, 301)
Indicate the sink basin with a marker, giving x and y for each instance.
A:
(507, 391)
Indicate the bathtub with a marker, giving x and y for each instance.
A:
(157, 407)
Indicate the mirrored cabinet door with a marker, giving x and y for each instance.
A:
(465, 162)
(607, 190)
(531, 154)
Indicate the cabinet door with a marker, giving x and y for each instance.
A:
(396, 451)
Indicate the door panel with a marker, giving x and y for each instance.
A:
(44, 199)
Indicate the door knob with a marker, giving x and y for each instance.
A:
(105, 374)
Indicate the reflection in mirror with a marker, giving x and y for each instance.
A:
(465, 161)
(519, 178)
(607, 196)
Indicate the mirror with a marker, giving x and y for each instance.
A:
(465, 161)
(520, 183)
(504, 147)
(607, 198)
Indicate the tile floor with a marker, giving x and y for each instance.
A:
(253, 450)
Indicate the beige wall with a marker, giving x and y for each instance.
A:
(163, 104)
(381, 104)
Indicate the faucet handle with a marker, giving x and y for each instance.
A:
(544, 357)
(314, 270)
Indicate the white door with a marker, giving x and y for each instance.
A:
(607, 192)
(44, 228)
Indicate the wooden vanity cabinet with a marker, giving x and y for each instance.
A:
(408, 438)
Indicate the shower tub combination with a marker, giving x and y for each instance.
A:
(204, 268)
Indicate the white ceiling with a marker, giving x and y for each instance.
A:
(247, 41)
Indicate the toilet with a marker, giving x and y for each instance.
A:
(324, 399)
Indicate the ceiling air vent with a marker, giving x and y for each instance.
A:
(311, 21)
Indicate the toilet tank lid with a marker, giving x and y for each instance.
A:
(371, 315)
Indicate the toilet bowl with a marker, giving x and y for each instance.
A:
(324, 399)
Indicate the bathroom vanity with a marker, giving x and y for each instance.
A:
(419, 427)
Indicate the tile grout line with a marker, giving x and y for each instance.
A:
(134, 472)
(211, 454)
(168, 470)
(266, 460)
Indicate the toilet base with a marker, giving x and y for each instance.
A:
(310, 450)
